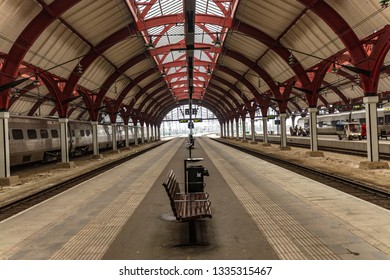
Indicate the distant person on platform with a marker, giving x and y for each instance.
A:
(364, 133)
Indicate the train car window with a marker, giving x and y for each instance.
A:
(44, 133)
(54, 133)
(82, 133)
(387, 119)
(32, 134)
(88, 132)
(17, 134)
(380, 120)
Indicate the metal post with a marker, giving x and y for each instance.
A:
(142, 134)
(114, 144)
(313, 129)
(227, 129)
(237, 129)
(126, 128)
(5, 162)
(265, 130)
(253, 129)
(136, 135)
(64, 140)
(95, 140)
(4, 144)
(243, 129)
(372, 128)
(283, 131)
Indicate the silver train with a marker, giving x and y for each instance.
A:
(34, 139)
(326, 124)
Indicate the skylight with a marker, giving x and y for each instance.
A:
(164, 22)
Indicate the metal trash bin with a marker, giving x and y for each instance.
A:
(196, 178)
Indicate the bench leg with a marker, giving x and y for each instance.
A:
(192, 231)
(192, 240)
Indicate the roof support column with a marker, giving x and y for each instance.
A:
(283, 132)
(243, 117)
(372, 162)
(136, 135)
(152, 133)
(237, 129)
(147, 133)
(252, 114)
(232, 126)
(265, 131)
(126, 128)
(95, 141)
(65, 147)
(114, 142)
(253, 131)
(313, 134)
(227, 129)
(5, 164)
(142, 134)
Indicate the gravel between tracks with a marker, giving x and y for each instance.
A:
(342, 165)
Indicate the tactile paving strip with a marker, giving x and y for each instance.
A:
(289, 239)
(94, 239)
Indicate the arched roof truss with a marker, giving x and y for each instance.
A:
(137, 58)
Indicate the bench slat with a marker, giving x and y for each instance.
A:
(186, 207)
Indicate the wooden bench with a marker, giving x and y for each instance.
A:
(187, 207)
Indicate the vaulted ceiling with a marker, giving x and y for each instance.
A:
(142, 58)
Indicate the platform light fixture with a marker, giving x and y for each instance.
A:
(357, 80)
(208, 72)
(79, 68)
(291, 59)
(36, 81)
(334, 68)
(217, 42)
(163, 74)
(149, 45)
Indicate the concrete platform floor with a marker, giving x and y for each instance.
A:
(260, 211)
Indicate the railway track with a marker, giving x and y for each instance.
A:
(361, 190)
(336, 150)
(22, 204)
(383, 156)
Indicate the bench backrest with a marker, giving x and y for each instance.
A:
(172, 188)
(184, 209)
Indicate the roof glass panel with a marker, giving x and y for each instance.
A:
(208, 7)
(170, 36)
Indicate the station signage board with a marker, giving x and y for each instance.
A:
(196, 120)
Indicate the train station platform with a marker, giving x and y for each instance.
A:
(260, 211)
